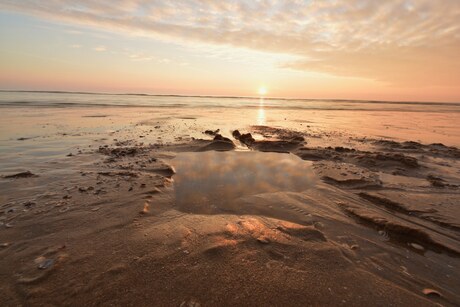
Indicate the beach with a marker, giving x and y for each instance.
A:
(203, 201)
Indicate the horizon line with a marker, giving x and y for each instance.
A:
(225, 96)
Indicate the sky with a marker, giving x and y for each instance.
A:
(396, 50)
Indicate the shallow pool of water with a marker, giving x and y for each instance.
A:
(208, 182)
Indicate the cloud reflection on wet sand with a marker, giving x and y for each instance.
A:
(209, 182)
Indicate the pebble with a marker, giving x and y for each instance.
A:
(263, 240)
(318, 225)
(417, 246)
(431, 293)
(29, 204)
(146, 208)
(43, 265)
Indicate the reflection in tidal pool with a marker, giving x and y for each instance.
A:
(210, 182)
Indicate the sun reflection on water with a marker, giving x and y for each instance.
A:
(261, 119)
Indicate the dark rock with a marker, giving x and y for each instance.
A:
(236, 134)
(441, 145)
(218, 145)
(436, 181)
(403, 159)
(411, 145)
(219, 137)
(29, 204)
(275, 146)
(210, 132)
(315, 154)
(26, 174)
(343, 149)
(297, 139)
(246, 139)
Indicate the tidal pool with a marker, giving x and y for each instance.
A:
(211, 182)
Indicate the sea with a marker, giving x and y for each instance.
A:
(81, 99)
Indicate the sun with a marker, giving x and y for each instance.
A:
(262, 91)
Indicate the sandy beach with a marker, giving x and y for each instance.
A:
(207, 206)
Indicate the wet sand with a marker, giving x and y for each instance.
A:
(149, 206)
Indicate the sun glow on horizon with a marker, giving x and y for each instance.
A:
(262, 91)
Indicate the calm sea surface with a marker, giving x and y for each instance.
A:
(62, 99)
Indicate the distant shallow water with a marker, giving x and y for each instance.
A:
(66, 122)
(210, 182)
(70, 99)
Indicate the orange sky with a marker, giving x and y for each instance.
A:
(352, 49)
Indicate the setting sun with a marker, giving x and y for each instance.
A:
(262, 91)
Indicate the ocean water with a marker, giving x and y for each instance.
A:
(39, 117)
(70, 99)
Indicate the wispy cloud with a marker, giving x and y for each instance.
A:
(403, 42)
(165, 61)
(75, 46)
(100, 48)
(141, 57)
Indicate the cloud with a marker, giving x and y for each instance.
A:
(165, 61)
(403, 42)
(140, 57)
(75, 46)
(100, 48)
